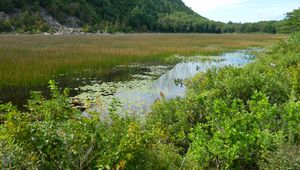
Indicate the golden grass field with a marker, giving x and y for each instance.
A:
(27, 60)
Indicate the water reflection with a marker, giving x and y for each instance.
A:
(137, 98)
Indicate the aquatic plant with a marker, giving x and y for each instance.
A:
(39, 57)
(231, 118)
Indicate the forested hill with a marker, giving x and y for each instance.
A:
(113, 16)
(104, 15)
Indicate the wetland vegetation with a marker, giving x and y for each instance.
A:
(29, 61)
(233, 117)
(207, 101)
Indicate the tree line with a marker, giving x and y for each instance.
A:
(219, 124)
(124, 16)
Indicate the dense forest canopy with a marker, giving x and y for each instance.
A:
(121, 16)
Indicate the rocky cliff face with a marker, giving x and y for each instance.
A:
(71, 26)
(4, 16)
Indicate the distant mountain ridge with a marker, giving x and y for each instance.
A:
(36, 16)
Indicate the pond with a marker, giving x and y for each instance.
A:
(153, 82)
(135, 85)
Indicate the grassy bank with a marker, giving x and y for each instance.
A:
(28, 60)
(231, 118)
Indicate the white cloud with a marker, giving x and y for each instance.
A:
(242, 10)
(203, 6)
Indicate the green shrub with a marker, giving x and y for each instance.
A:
(173, 119)
(30, 22)
(235, 136)
(53, 135)
(238, 116)
(231, 118)
(5, 26)
(286, 157)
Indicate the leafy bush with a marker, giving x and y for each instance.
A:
(231, 118)
(5, 26)
(286, 157)
(30, 22)
(53, 135)
(236, 117)
(172, 118)
(235, 136)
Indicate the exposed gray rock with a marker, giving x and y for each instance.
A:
(52, 22)
(71, 27)
(4, 16)
(72, 22)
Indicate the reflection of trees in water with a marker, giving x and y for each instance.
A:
(140, 98)
(171, 83)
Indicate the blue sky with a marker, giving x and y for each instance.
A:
(243, 10)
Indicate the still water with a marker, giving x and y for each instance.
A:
(136, 86)
(140, 92)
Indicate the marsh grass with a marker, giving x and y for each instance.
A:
(30, 60)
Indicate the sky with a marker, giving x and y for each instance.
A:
(243, 10)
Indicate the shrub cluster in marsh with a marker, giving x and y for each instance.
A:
(239, 117)
(231, 118)
(32, 59)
